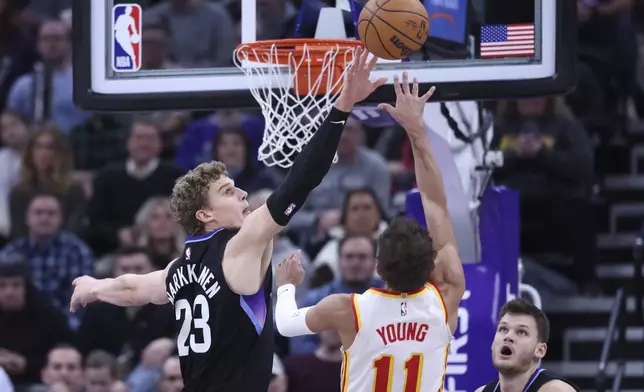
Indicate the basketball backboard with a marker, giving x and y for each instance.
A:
(477, 49)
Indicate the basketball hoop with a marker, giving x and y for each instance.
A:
(296, 82)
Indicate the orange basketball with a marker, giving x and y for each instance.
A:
(392, 29)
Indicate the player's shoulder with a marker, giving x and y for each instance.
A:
(480, 389)
(557, 385)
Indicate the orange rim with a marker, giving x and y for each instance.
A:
(313, 79)
(253, 51)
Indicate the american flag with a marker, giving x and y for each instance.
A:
(512, 40)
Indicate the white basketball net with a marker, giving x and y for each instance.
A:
(292, 119)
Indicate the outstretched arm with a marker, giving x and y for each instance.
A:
(448, 274)
(333, 312)
(240, 265)
(126, 290)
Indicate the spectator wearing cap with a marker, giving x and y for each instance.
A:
(55, 256)
(29, 325)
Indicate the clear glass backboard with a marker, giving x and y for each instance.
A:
(177, 54)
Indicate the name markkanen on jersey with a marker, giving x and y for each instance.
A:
(186, 275)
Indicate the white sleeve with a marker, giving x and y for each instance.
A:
(5, 382)
(290, 320)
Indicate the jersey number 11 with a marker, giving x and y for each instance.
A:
(384, 368)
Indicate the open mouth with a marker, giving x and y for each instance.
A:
(246, 211)
(506, 351)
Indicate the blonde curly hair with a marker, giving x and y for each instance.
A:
(190, 194)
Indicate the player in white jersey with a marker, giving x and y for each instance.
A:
(395, 339)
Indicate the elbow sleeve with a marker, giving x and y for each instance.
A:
(290, 320)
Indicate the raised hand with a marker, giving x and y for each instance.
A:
(290, 271)
(408, 111)
(357, 85)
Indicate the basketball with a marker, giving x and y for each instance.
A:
(393, 29)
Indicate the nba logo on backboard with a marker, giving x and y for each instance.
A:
(188, 254)
(403, 308)
(126, 38)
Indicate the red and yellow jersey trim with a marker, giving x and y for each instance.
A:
(356, 312)
(397, 294)
(440, 298)
(344, 374)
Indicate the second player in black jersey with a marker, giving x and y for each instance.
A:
(520, 343)
(220, 287)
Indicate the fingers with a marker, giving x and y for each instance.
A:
(363, 58)
(428, 94)
(73, 304)
(379, 82)
(414, 90)
(405, 83)
(386, 106)
(358, 60)
(397, 85)
(372, 62)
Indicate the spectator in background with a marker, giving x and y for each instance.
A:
(63, 371)
(120, 189)
(56, 256)
(156, 47)
(125, 332)
(47, 168)
(357, 167)
(100, 372)
(156, 230)
(549, 160)
(14, 133)
(171, 380)
(356, 266)
(202, 32)
(318, 371)
(196, 145)
(46, 93)
(99, 141)
(278, 19)
(29, 325)
(231, 146)
(362, 215)
(17, 54)
(157, 365)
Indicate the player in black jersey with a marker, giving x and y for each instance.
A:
(221, 286)
(519, 346)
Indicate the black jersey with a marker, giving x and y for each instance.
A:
(538, 379)
(225, 340)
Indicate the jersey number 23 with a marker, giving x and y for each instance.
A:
(194, 334)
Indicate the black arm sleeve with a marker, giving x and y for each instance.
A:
(309, 168)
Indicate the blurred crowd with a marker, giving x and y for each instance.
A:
(86, 193)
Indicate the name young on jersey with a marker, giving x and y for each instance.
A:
(186, 275)
(400, 332)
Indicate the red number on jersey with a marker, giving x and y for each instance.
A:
(383, 373)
